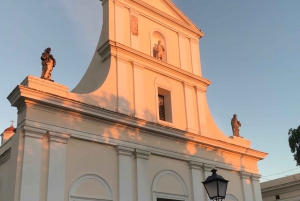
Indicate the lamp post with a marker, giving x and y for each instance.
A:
(215, 186)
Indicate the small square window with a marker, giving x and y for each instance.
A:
(277, 197)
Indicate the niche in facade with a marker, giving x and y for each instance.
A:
(158, 46)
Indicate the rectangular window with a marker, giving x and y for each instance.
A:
(164, 105)
(161, 107)
(277, 197)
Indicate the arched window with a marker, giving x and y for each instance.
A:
(169, 186)
(90, 187)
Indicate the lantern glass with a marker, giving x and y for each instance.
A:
(222, 188)
(211, 189)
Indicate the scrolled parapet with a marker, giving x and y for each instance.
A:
(142, 154)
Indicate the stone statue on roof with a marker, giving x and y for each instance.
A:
(235, 124)
(48, 63)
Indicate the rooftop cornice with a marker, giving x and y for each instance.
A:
(282, 188)
(35, 96)
(188, 24)
(112, 48)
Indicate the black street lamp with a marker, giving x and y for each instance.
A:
(215, 186)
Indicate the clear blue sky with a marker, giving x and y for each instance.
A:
(250, 52)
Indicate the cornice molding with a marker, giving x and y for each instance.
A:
(118, 3)
(134, 12)
(142, 154)
(195, 165)
(33, 132)
(125, 151)
(58, 137)
(111, 47)
(255, 177)
(188, 24)
(282, 188)
(245, 175)
(208, 167)
(64, 104)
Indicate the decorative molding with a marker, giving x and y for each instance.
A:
(142, 154)
(138, 65)
(188, 25)
(58, 137)
(157, 194)
(195, 165)
(33, 132)
(208, 167)
(76, 198)
(194, 41)
(134, 12)
(111, 47)
(255, 177)
(118, 3)
(126, 151)
(104, 2)
(282, 188)
(181, 35)
(232, 197)
(59, 105)
(245, 175)
(5, 156)
(82, 178)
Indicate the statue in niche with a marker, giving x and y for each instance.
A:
(48, 63)
(235, 124)
(159, 50)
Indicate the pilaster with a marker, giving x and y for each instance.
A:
(57, 165)
(189, 108)
(197, 177)
(256, 187)
(119, 22)
(246, 183)
(182, 51)
(31, 169)
(207, 172)
(125, 173)
(143, 187)
(201, 109)
(195, 54)
(139, 102)
(122, 86)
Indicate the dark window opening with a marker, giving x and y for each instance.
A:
(161, 108)
(277, 197)
(163, 199)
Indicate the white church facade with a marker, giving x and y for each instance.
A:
(137, 127)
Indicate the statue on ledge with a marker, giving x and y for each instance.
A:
(159, 50)
(48, 63)
(235, 124)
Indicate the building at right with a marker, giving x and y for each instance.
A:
(284, 189)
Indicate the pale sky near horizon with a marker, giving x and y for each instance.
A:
(250, 52)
